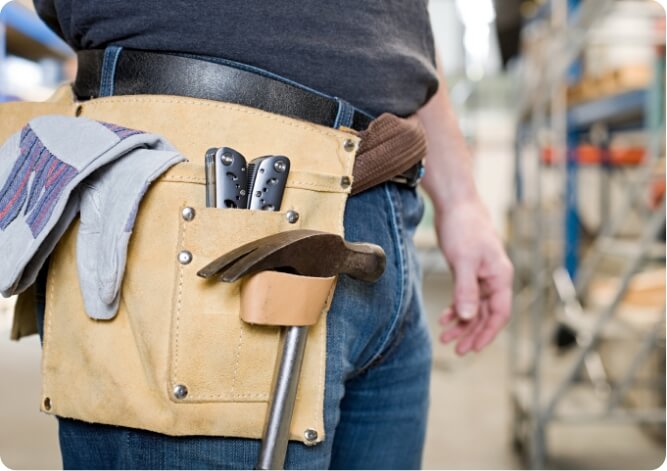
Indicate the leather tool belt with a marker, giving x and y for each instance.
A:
(178, 359)
(392, 148)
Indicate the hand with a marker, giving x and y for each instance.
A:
(482, 276)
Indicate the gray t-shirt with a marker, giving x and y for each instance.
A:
(376, 54)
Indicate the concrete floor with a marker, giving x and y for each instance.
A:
(469, 425)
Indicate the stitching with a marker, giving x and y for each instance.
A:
(182, 178)
(394, 225)
(313, 186)
(259, 397)
(221, 105)
(179, 304)
(51, 282)
(310, 184)
(238, 358)
(322, 365)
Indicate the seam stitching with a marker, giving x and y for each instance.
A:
(179, 305)
(239, 345)
(386, 335)
(220, 105)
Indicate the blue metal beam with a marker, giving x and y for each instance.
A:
(28, 23)
(622, 108)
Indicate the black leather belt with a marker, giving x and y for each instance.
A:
(149, 73)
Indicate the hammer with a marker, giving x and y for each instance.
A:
(301, 252)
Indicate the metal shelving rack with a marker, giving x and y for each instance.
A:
(551, 275)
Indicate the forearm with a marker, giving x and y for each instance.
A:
(448, 179)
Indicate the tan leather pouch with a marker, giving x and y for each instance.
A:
(175, 331)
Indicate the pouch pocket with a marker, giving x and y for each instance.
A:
(215, 355)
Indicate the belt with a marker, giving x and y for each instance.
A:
(150, 73)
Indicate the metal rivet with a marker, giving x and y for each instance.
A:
(348, 145)
(345, 182)
(225, 157)
(188, 213)
(310, 435)
(180, 391)
(47, 403)
(292, 216)
(184, 257)
(280, 166)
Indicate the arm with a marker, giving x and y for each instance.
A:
(482, 271)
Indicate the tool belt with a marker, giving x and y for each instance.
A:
(392, 148)
(177, 359)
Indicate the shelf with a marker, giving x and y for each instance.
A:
(616, 109)
(575, 35)
(29, 37)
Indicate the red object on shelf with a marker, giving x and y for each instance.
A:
(627, 155)
(587, 154)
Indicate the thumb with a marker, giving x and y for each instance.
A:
(466, 290)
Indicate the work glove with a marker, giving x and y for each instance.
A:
(110, 199)
(41, 168)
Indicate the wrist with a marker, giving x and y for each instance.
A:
(447, 192)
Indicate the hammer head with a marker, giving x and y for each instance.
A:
(303, 252)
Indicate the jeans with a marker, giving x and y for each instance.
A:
(377, 376)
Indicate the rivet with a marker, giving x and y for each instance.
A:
(188, 213)
(180, 391)
(292, 216)
(345, 182)
(348, 145)
(280, 166)
(310, 435)
(184, 257)
(47, 403)
(225, 157)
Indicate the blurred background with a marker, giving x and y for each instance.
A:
(563, 105)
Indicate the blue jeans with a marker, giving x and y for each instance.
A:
(377, 377)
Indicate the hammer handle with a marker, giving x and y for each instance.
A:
(283, 397)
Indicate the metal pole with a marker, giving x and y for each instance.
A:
(650, 338)
(656, 223)
(283, 396)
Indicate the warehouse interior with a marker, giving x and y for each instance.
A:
(562, 103)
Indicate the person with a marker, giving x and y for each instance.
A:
(380, 57)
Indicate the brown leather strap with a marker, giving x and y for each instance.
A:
(389, 147)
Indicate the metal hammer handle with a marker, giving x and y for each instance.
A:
(283, 396)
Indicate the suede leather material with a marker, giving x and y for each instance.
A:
(13, 116)
(174, 328)
(275, 298)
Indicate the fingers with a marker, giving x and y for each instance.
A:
(453, 326)
(500, 304)
(447, 316)
(466, 288)
(469, 338)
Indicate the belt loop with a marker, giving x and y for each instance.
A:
(109, 62)
(345, 114)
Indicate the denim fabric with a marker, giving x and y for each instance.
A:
(377, 377)
(111, 55)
